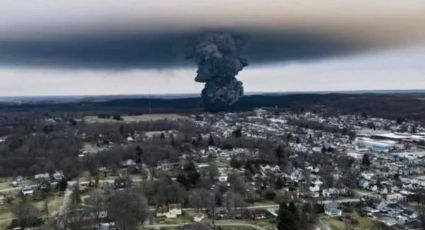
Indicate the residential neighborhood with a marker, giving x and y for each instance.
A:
(246, 168)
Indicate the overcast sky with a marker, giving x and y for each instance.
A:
(92, 47)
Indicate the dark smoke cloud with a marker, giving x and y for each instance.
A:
(161, 49)
(218, 58)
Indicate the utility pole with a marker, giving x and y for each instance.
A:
(149, 101)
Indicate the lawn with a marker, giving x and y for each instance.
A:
(361, 222)
(5, 184)
(185, 218)
(269, 223)
(235, 228)
(6, 216)
(53, 204)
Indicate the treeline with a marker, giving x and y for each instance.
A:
(315, 125)
(45, 145)
(389, 105)
(31, 154)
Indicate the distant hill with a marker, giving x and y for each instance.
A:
(390, 105)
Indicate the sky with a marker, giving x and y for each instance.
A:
(94, 47)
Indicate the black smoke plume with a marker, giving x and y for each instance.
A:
(218, 58)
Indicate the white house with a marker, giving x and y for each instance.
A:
(2, 199)
(28, 190)
(332, 209)
(170, 211)
(199, 217)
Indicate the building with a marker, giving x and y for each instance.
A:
(332, 209)
(28, 190)
(2, 199)
(170, 211)
(378, 146)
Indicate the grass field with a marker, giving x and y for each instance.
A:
(361, 222)
(53, 204)
(6, 216)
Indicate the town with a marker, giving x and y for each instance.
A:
(256, 169)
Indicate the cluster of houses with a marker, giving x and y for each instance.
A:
(389, 212)
(40, 182)
(396, 150)
(393, 176)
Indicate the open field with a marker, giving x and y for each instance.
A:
(337, 224)
(6, 216)
(53, 204)
(136, 118)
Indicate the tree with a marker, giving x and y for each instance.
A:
(232, 201)
(292, 208)
(97, 204)
(76, 196)
(289, 136)
(139, 152)
(211, 141)
(200, 198)
(282, 156)
(285, 220)
(189, 176)
(203, 198)
(235, 162)
(168, 191)
(117, 117)
(366, 160)
(237, 132)
(421, 207)
(27, 215)
(237, 183)
(127, 208)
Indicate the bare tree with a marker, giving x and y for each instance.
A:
(26, 214)
(201, 198)
(127, 208)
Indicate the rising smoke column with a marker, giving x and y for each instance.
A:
(218, 58)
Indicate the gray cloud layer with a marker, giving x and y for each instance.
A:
(154, 33)
(158, 50)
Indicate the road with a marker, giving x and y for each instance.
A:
(156, 226)
(10, 189)
(65, 203)
(340, 201)
(324, 224)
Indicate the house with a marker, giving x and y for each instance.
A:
(297, 175)
(44, 186)
(330, 193)
(222, 178)
(170, 211)
(18, 180)
(332, 209)
(2, 199)
(106, 226)
(58, 175)
(260, 214)
(199, 217)
(121, 183)
(395, 197)
(28, 190)
(364, 183)
(84, 184)
(42, 176)
(409, 214)
(128, 163)
(390, 208)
